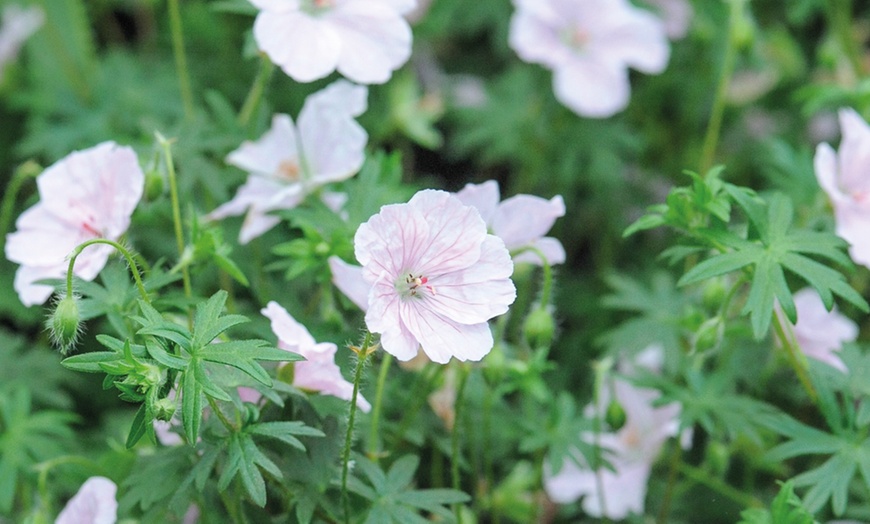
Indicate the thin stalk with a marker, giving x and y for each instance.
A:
(714, 126)
(418, 396)
(176, 211)
(348, 438)
(180, 59)
(220, 415)
(134, 269)
(601, 368)
(547, 285)
(29, 169)
(793, 356)
(252, 101)
(457, 425)
(673, 470)
(374, 448)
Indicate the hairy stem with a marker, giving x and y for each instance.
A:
(176, 210)
(793, 355)
(463, 371)
(362, 354)
(134, 269)
(374, 448)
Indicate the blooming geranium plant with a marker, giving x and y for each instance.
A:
(89, 194)
(289, 162)
(589, 45)
(365, 40)
(436, 278)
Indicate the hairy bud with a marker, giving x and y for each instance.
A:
(64, 324)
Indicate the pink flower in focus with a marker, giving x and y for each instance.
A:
(821, 333)
(589, 45)
(93, 504)
(845, 178)
(635, 449)
(365, 40)
(436, 278)
(520, 221)
(318, 372)
(289, 162)
(88, 194)
(18, 24)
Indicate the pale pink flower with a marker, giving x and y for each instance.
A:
(365, 40)
(845, 177)
(88, 194)
(821, 333)
(18, 24)
(289, 162)
(520, 221)
(436, 278)
(635, 448)
(589, 45)
(93, 504)
(348, 279)
(318, 372)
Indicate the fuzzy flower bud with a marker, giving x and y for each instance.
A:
(615, 416)
(539, 328)
(64, 324)
(154, 185)
(164, 409)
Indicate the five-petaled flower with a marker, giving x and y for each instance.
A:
(589, 45)
(845, 178)
(318, 372)
(365, 40)
(289, 162)
(88, 194)
(521, 221)
(93, 504)
(436, 278)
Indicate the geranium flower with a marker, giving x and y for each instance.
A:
(318, 372)
(844, 177)
(589, 45)
(93, 504)
(348, 279)
(289, 162)
(520, 221)
(820, 333)
(365, 40)
(18, 25)
(436, 278)
(88, 194)
(635, 447)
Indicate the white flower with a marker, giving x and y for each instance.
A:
(521, 221)
(93, 504)
(365, 40)
(589, 45)
(18, 25)
(289, 162)
(88, 194)
(820, 333)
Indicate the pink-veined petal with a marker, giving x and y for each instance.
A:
(376, 40)
(289, 331)
(521, 219)
(442, 338)
(456, 232)
(42, 239)
(391, 240)
(826, 168)
(636, 38)
(93, 504)
(483, 197)
(591, 88)
(349, 280)
(306, 48)
(854, 153)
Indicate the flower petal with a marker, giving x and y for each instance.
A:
(383, 318)
(522, 219)
(854, 153)
(290, 332)
(456, 232)
(306, 48)
(375, 40)
(349, 280)
(635, 37)
(483, 197)
(272, 153)
(552, 249)
(442, 338)
(592, 88)
(93, 504)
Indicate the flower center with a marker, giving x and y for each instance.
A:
(288, 170)
(411, 286)
(575, 37)
(315, 7)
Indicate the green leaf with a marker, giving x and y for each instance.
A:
(285, 431)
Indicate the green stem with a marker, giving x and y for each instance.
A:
(374, 448)
(29, 169)
(252, 101)
(176, 210)
(463, 371)
(711, 139)
(840, 18)
(601, 369)
(180, 59)
(220, 415)
(702, 477)
(45, 467)
(547, 285)
(362, 354)
(134, 269)
(793, 356)
(676, 461)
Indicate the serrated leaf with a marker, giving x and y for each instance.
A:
(285, 431)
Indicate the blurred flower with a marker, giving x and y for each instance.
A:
(443, 400)
(436, 278)
(88, 194)
(365, 40)
(844, 177)
(520, 221)
(821, 333)
(93, 504)
(634, 449)
(318, 372)
(676, 15)
(589, 45)
(289, 162)
(19, 23)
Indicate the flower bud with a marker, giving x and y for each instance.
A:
(164, 409)
(153, 185)
(539, 328)
(150, 375)
(713, 294)
(252, 413)
(615, 416)
(717, 456)
(64, 324)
